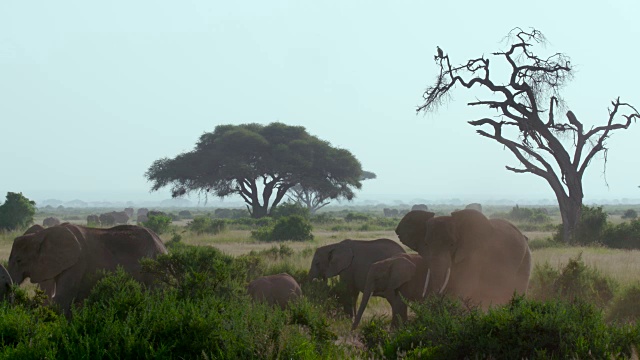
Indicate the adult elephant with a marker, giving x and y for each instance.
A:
(63, 260)
(468, 255)
(278, 289)
(397, 279)
(351, 259)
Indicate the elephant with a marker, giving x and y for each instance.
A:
(107, 219)
(422, 207)
(142, 211)
(63, 260)
(34, 229)
(474, 206)
(351, 260)
(398, 278)
(50, 221)
(279, 289)
(469, 256)
(129, 212)
(5, 283)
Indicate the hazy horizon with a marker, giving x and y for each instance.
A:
(93, 93)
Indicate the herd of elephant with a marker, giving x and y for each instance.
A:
(465, 255)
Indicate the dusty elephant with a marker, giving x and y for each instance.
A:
(279, 289)
(351, 260)
(5, 283)
(93, 220)
(399, 278)
(468, 255)
(107, 219)
(34, 229)
(64, 259)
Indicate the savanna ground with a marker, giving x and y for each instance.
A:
(621, 267)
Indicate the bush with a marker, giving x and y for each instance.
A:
(16, 212)
(625, 235)
(351, 216)
(630, 214)
(185, 214)
(294, 227)
(527, 215)
(575, 282)
(288, 209)
(323, 218)
(625, 307)
(158, 223)
(592, 223)
(523, 329)
(206, 225)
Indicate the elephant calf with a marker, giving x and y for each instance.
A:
(279, 289)
(402, 276)
(351, 260)
(5, 283)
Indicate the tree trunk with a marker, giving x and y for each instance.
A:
(570, 211)
(259, 211)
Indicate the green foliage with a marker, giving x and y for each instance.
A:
(519, 214)
(625, 235)
(236, 159)
(196, 271)
(592, 224)
(288, 209)
(17, 212)
(575, 282)
(630, 214)
(207, 225)
(158, 223)
(523, 329)
(625, 307)
(352, 216)
(294, 227)
(323, 218)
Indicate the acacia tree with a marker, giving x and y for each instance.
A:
(558, 150)
(317, 194)
(258, 162)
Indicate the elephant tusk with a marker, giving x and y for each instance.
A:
(53, 293)
(446, 281)
(426, 282)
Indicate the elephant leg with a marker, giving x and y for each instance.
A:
(398, 310)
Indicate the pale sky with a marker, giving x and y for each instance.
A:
(91, 93)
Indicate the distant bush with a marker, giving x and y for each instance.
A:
(206, 225)
(185, 214)
(630, 214)
(251, 223)
(352, 216)
(158, 223)
(625, 235)
(288, 209)
(223, 213)
(324, 218)
(292, 227)
(16, 212)
(523, 214)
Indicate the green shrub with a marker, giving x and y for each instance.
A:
(630, 214)
(206, 225)
(625, 235)
(625, 307)
(592, 223)
(323, 218)
(251, 223)
(185, 214)
(523, 329)
(158, 223)
(288, 209)
(17, 212)
(351, 216)
(575, 282)
(294, 227)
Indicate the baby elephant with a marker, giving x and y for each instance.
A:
(5, 283)
(402, 276)
(277, 289)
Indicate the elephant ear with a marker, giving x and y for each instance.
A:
(339, 259)
(59, 250)
(412, 228)
(472, 229)
(400, 272)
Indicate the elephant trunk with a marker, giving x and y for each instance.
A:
(16, 275)
(438, 275)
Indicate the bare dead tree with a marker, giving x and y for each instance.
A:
(538, 143)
